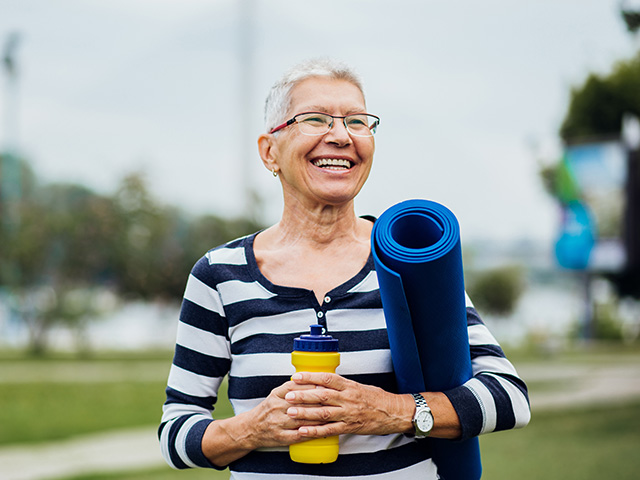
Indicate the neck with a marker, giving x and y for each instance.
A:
(322, 225)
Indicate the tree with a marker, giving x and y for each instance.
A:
(497, 290)
(597, 107)
(54, 253)
(156, 246)
(66, 245)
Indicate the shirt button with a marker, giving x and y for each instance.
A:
(327, 299)
(320, 314)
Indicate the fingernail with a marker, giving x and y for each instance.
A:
(290, 396)
(296, 376)
(292, 412)
(303, 430)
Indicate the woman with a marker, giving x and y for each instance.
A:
(247, 300)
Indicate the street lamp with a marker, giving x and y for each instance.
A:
(630, 10)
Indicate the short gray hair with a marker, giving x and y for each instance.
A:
(279, 99)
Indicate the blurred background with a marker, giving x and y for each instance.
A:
(128, 149)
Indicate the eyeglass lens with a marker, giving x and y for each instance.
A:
(361, 125)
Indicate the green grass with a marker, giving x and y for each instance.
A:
(32, 412)
(35, 412)
(581, 444)
(595, 352)
(164, 473)
(40, 401)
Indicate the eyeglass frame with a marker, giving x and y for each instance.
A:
(292, 120)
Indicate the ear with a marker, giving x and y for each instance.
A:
(268, 149)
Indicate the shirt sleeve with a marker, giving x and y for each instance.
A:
(200, 363)
(495, 398)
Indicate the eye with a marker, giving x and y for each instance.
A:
(315, 119)
(359, 125)
(358, 121)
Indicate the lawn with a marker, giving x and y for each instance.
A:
(35, 412)
(580, 444)
(45, 400)
(164, 473)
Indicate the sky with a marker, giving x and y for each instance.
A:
(471, 96)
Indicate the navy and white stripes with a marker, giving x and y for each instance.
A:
(235, 322)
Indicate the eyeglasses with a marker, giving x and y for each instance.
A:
(316, 123)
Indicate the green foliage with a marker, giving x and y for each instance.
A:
(155, 246)
(497, 290)
(597, 107)
(65, 243)
(607, 325)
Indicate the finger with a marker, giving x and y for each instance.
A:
(288, 386)
(314, 415)
(313, 396)
(321, 379)
(319, 431)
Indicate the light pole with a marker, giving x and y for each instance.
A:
(246, 45)
(10, 67)
(10, 168)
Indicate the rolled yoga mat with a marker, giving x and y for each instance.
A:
(418, 260)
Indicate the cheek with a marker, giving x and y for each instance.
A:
(366, 152)
(299, 147)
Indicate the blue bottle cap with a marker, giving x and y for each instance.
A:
(316, 341)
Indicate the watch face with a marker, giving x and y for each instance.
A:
(424, 420)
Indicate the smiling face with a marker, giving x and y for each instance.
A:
(326, 169)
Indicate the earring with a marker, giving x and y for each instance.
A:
(273, 171)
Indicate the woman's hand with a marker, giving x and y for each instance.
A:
(265, 425)
(271, 425)
(333, 405)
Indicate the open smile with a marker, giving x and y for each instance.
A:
(333, 163)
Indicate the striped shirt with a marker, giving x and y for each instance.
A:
(234, 322)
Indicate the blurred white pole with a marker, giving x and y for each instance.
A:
(10, 113)
(10, 168)
(247, 153)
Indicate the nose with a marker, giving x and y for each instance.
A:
(338, 133)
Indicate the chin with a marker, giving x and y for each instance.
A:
(338, 199)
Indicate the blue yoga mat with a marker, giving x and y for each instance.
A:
(418, 260)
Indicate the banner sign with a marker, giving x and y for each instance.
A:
(591, 186)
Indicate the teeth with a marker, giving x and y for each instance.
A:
(332, 162)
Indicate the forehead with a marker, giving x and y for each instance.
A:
(327, 95)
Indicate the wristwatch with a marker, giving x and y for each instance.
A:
(423, 418)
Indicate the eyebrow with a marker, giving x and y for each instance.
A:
(317, 108)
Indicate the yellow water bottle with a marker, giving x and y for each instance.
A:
(316, 352)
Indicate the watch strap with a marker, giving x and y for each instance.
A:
(419, 399)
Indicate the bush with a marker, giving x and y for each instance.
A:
(498, 290)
